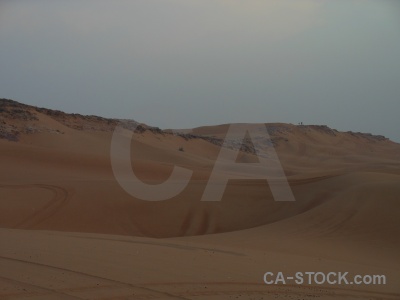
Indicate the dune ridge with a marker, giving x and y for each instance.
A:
(68, 225)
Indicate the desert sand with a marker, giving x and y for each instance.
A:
(69, 231)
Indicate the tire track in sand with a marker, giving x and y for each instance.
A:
(59, 199)
(43, 280)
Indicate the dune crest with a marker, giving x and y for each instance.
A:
(57, 182)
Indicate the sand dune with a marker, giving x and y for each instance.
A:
(69, 231)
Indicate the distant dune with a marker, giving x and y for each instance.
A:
(69, 231)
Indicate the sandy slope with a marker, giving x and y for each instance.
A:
(92, 240)
(49, 265)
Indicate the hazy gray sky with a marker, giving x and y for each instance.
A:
(186, 63)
